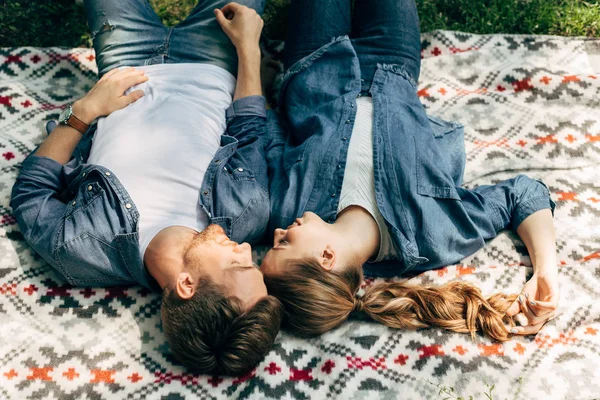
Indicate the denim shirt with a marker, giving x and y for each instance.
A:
(418, 163)
(81, 220)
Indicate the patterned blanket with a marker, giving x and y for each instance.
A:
(529, 104)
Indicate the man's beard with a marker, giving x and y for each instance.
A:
(211, 233)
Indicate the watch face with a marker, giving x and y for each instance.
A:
(65, 114)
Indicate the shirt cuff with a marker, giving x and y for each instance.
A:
(36, 165)
(247, 106)
(537, 203)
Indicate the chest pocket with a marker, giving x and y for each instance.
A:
(295, 154)
(238, 172)
(440, 159)
(88, 261)
(88, 254)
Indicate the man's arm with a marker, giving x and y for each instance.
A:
(104, 98)
(246, 117)
(35, 198)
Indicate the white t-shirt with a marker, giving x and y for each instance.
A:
(358, 187)
(160, 146)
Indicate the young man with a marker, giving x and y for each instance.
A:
(161, 198)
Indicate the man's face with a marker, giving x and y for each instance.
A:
(227, 264)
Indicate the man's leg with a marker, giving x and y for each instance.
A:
(124, 32)
(200, 39)
(312, 24)
(386, 31)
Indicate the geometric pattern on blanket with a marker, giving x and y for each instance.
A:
(530, 104)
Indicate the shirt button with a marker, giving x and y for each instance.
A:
(339, 166)
(217, 161)
(344, 138)
(351, 105)
(205, 193)
(241, 169)
(359, 95)
(225, 169)
(90, 187)
(333, 195)
(73, 203)
(83, 174)
(348, 122)
(128, 205)
(107, 173)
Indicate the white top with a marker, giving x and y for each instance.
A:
(160, 146)
(358, 187)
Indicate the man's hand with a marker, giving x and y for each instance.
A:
(242, 24)
(108, 94)
(537, 301)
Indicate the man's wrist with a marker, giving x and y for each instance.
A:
(83, 112)
(248, 53)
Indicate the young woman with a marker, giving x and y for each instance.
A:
(368, 181)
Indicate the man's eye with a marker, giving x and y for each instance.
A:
(283, 241)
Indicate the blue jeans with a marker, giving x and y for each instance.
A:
(382, 31)
(129, 33)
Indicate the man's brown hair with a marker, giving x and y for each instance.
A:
(212, 333)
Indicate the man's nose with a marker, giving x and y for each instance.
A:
(243, 248)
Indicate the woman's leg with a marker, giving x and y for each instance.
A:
(312, 24)
(387, 32)
(200, 39)
(124, 32)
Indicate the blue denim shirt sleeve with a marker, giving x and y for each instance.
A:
(36, 204)
(247, 106)
(247, 122)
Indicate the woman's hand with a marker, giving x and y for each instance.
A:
(538, 301)
(242, 25)
(108, 94)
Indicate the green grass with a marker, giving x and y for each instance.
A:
(62, 22)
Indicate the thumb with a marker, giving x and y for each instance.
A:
(514, 309)
(131, 97)
(223, 22)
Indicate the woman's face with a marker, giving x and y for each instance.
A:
(307, 237)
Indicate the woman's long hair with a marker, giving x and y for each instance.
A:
(317, 301)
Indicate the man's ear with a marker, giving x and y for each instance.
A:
(186, 286)
(327, 259)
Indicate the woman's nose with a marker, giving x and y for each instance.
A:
(279, 233)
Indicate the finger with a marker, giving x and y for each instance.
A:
(119, 74)
(110, 73)
(129, 75)
(543, 306)
(514, 309)
(526, 330)
(532, 318)
(132, 81)
(131, 97)
(231, 8)
(123, 71)
(223, 22)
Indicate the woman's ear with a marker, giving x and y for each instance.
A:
(186, 286)
(327, 259)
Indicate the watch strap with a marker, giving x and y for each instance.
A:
(77, 124)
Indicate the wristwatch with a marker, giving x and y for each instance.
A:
(68, 118)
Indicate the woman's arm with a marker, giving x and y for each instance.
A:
(539, 298)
